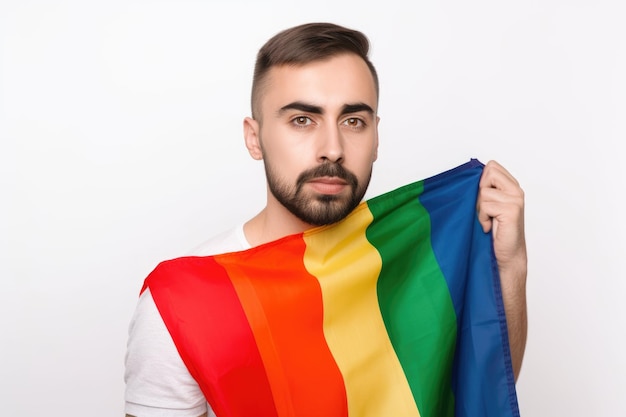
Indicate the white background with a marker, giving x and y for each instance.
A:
(121, 146)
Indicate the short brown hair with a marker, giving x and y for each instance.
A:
(306, 43)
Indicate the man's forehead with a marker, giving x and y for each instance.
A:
(336, 83)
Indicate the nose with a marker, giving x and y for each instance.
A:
(331, 145)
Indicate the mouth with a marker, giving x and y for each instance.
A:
(328, 185)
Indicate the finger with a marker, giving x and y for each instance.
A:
(492, 194)
(507, 212)
(495, 205)
(496, 176)
(485, 221)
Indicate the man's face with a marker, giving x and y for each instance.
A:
(319, 137)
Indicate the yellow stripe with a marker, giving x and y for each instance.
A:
(353, 326)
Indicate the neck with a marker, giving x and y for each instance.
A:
(273, 222)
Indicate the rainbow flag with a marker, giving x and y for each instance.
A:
(394, 311)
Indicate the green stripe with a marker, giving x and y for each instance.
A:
(414, 299)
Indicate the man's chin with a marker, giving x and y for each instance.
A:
(329, 210)
(329, 198)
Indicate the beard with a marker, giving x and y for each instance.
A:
(317, 209)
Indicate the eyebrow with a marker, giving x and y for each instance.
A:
(311, 108)
(299, 105)
(356, 107)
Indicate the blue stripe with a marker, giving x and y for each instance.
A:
(482, 378)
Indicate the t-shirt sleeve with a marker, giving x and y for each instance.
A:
(157, 381)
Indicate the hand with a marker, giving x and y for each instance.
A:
(500, 208)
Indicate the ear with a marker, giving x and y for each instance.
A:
(251, 137)
(376, 144)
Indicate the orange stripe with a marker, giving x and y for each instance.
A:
(283, 305)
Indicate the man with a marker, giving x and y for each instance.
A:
(314, 125)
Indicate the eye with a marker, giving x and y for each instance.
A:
(301, 121)
(354, 122)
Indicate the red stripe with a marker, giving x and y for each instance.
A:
(283, 303)
(201, 310)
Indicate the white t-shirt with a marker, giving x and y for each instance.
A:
(158, 383)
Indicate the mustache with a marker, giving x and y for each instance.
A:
(329, 169)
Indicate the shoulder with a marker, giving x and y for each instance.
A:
(182, 274)
(181, 271)
(232, 240)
